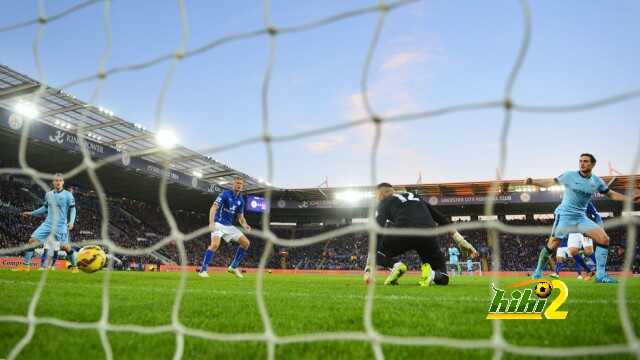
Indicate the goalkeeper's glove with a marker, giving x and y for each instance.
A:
(460, 240)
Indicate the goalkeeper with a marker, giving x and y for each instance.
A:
(405, 210)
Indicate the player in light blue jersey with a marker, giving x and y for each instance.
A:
(470, 266)
(571, 245)
(222, 216)
(59, 207)
(570, 215)
(454, 253)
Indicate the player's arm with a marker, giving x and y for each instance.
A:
(243, 222)
(439, 218)
(241, 219)
(72, 213)
(39, 212)
(382, 213)
(214, 208)
(212, 213)
(614, 195)
(464, 244)
(542, 183)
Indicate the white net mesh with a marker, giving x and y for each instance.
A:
(370, 334)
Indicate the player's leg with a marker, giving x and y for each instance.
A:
(434, 266)
(210, 252)
(387, 248)
(545, 253)
(602, 253)
(54, 255)
(43, 257)
(559, 262)
(391, 248)
(243, 246)
(574, 252)
(561, 256)
(54, 258)
(39, 236)
(65, 245)
(28, 254)
(587, 247)
(557, 233)
(47, 252)
(575, 242)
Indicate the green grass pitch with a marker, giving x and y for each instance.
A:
(297, 304)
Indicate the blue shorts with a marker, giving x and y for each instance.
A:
(567, 224)
(43, 231)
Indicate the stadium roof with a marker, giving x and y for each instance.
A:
(64, 111)
(472, 188)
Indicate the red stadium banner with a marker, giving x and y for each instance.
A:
(13, 262)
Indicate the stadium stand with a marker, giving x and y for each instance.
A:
(134, 224)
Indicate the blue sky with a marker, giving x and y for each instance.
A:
(431, 54)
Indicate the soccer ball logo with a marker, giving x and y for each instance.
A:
(91, 258)
(543, 289)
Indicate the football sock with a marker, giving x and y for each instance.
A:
(73, 257)
(602, 252)
(54, 257)
(237, 259)
(542, 258)
(580, 263)
(43, 258)
(208, 255)
(593, 257)
(27, 256)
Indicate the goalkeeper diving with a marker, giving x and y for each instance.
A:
(405, 210)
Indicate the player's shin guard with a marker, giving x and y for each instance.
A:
(208, 255)
(237, 259)
(28, 254)
(580, 263)
(602, 253)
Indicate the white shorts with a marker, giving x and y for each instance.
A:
(578, 241)
(52, 245)
(226, 232)
(562, 252)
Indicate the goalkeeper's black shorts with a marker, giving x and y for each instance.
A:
(427, 247)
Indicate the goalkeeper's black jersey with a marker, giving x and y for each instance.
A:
(408, 210)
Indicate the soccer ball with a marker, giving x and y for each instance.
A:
(543, 289)
(91, 258)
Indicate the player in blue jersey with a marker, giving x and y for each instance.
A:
(570, 215)
(454, 253)
(222, 216)
(59, 207)
(561, 256)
